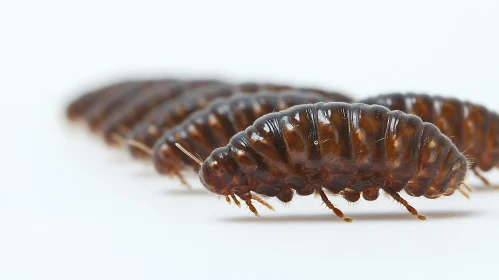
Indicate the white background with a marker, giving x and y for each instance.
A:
(70, 208)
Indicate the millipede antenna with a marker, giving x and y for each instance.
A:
(139, 145)
(189, 154)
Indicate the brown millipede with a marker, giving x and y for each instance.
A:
(351, 150)
(472, 127)
(77, 107)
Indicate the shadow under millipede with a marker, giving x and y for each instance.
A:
(186, 192)
(147, 173)
(370, 217)
(485, 189)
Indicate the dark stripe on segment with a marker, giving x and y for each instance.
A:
(422, 105)
(450, 118)
(243, 141)
(225, 116)
(314, 154)
(278, 139)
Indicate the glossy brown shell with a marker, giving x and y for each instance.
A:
(129, 114)
(212, 127)
(472, 128)
(77, 107)
(353, 150)
(96, 115)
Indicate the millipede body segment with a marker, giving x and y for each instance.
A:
(472, 128)
(350, 150)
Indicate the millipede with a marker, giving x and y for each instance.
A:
(212, 127)
(166, 116)
(473, 128)
(351, 150)
(96, 115)
(117, 125)
(77, 107)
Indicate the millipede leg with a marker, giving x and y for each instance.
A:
(141, 146)
(331, 206)
(182, 179)
(251, 207)
(263, 202)
(402, 201)
(484, 180)
(238, 204)
(118, 138)
(463, 193)
(227, 198)
(468, 188)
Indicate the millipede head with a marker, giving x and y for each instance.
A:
(77, 107)
(165, 159)
(142, 133)
(143, 148)
(455, 176)
(221, 175)
(110, 130)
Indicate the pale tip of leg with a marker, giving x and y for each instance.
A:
(255, 212)
(464, 194)
(422, 218)
(238, 204)
(467, 187)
